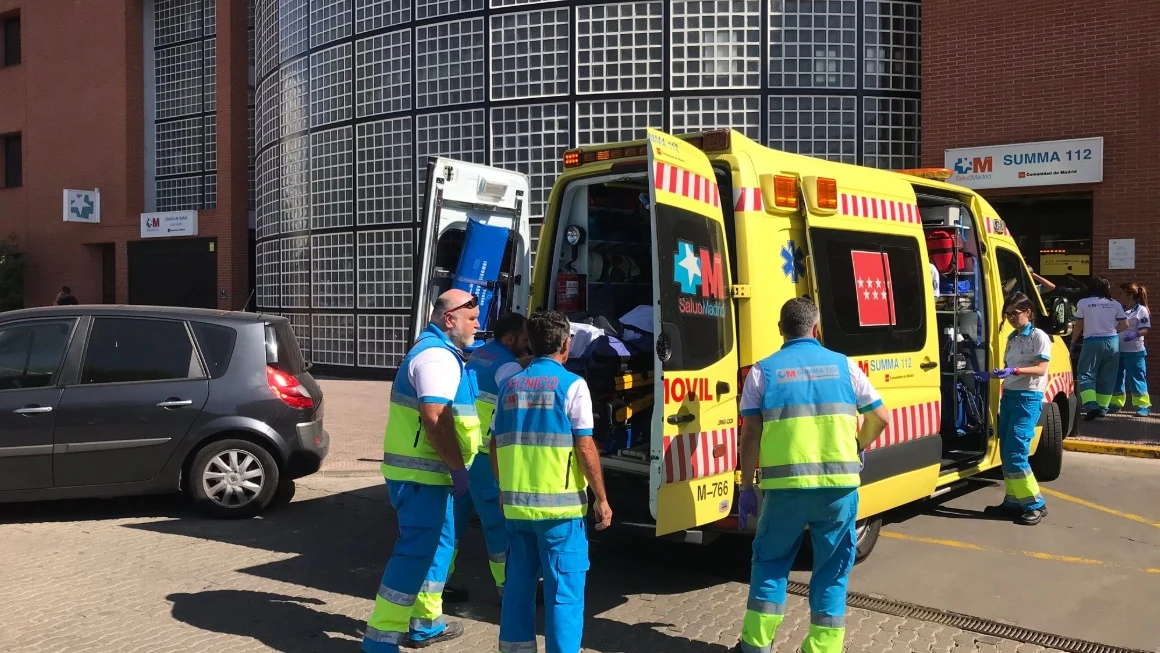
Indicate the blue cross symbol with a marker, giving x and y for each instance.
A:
(793, 261)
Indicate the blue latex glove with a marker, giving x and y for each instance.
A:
(862, 457)
(982, 376)
(746, 506)
(1004, 373)
(1129, 336)
(459, 481)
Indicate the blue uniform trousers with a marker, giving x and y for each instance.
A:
(830, 515)
(1018, 415)
(1134, 372)
(409, 601)
(559, 549)
(483, 497)
(1098, 362)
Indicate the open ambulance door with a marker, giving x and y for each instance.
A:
(474, 235)
(694, 434)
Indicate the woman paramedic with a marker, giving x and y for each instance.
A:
(1024, 378)
(1132, 351)
(1099, 319)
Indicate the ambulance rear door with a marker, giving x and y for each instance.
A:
(694, 432)
(496, 200)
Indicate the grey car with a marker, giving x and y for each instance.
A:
(101, 401)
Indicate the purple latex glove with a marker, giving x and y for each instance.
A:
(982, 376)
(1004, 373)
(1129, 336)
(746, 506)
(459, 481)
(862, 457)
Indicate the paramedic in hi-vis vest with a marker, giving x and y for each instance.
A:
(1132, 352)
(1024, 376)
(546, 462)
(492, 364)
(800, 408)
(432, 436)
(1099, 320)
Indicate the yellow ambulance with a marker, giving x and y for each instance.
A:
(672, 257)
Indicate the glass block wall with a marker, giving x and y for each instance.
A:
(353, 96)
(185, 99)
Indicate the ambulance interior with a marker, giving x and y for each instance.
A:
(603, 280)
(959, 292)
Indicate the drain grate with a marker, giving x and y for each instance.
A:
(970, 624)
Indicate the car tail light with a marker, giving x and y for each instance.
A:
(288, 389)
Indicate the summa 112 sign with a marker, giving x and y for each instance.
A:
(1046, 163)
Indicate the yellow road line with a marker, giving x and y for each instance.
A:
(1095, 506)
(1038, 555)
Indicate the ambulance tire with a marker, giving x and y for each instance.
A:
(867, 537)
(1047, 461)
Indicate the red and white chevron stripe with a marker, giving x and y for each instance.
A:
(687, 184)
(747, 199)
(880, 209)
(1061, 382)
(698, 455)
(910, 423)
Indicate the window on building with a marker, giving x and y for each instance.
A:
(130, 349)
(13, 160)
(876, 294)
(11, 28)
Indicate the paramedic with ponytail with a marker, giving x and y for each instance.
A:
(1024, 378)
(1099, 319)
(1132, 352)
(432, 436)
(544, 457)
(492, 364)
(800, 409)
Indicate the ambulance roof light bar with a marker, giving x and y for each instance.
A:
(937, 174)
(709, 141)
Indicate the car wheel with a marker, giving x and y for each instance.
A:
(233, 479)
(866, 534)
(1047, 461)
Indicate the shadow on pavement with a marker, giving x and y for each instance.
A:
(67, 510)
(284, 623)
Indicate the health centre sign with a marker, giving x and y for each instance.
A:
(1047, 163)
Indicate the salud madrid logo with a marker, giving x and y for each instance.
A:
(701, 268)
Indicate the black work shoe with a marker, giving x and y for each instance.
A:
(1032, 517)
(453, 594)
(1095, 413)
(1002, 511)
(453, 630)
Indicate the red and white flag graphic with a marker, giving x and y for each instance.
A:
(875, 294)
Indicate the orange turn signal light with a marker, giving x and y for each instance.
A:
(827, 193)
(785, 192)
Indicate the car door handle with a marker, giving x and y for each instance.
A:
(33, 410)
(681, 419)
(930, 365)
(175, 403)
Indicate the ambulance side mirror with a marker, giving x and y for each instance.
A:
(1058, 320)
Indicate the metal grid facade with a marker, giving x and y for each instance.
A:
(185, 92)
(352, 96)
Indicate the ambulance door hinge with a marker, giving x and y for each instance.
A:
(739, 290)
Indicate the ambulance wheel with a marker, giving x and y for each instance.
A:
(1047, 461)
(866, 532)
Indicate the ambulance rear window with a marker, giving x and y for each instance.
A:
(875, 291)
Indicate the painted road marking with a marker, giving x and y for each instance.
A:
(1038, 555)
(1096, 506)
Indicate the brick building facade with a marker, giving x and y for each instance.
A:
(997, 72)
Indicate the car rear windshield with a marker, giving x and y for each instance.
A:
(217, 346)
(282, 349)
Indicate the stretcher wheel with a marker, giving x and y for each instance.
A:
(866, 537)
(1047, 461)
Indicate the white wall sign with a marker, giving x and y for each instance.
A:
(169, 224)
(1122, 254)
(82, 205)
(1047, 163)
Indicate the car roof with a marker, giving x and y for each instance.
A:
(124, 310)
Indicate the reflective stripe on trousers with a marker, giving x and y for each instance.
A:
(409, 600)
(1098, 363)
(483, 498)
(559, 549)
(1132, 376)
(1018, 416)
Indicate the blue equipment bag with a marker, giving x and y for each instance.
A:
(479, 264)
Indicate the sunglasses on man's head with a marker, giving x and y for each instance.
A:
(469, 304)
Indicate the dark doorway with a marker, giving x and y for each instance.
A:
(1054, 234)
(173, 272)
(109, 273)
